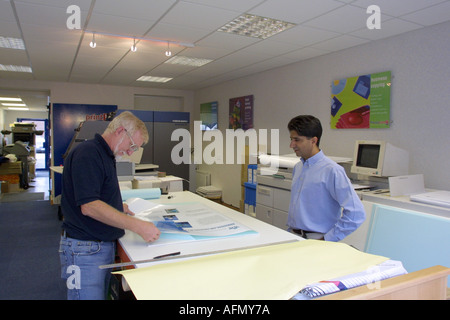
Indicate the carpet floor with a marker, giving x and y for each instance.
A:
(29, 261)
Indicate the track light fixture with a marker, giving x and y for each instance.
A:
(133, 47)
(168, 52)
(93, 44)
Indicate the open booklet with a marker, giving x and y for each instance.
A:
(186, 222)
(371, 276)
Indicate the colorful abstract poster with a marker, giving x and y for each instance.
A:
(361, 102)
(241, 113)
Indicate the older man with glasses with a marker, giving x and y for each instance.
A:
(91, 204)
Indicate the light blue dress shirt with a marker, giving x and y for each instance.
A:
(323, 199)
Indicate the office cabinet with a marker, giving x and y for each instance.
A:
(165, 123)
(272, 203)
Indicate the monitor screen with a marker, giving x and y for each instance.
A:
(368, 155)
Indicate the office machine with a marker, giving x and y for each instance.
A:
(86, 130)
(125, 170)
(21, 151)
(379, 159)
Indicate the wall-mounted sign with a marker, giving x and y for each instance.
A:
(241, 113)
(208, 115)
(361, 102)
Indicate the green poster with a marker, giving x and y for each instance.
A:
(361, 102)
(208, 115)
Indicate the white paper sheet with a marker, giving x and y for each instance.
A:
(186, 222)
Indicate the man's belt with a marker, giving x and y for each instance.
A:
(301, 232)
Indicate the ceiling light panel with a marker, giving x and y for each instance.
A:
(188, 61)
(154, 79)
(13, 68)
(12, 43)
(10, 99)
(255, 26)
(18, 109)
(14, 104)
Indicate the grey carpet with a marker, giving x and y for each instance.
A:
(21, 196)
(29, 261)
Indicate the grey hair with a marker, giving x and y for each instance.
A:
(130, 122)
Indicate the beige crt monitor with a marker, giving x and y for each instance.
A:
(379, 158)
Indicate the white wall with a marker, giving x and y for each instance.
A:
(78, 93)
(420, 102)
(123, 97)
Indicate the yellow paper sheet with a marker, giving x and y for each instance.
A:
(273, 272)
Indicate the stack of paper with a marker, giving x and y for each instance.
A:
(438, 198)
(210, 192)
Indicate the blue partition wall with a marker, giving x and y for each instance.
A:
(418, 240)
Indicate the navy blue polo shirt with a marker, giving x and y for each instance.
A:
(90, 174)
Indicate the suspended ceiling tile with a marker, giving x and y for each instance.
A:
(295, 11)
(304, 36)
(388, 29)
(14, 57)
(397, 8)
(230, 42)
(135, 9)
(306, 53)
(431, 15)
(173, 32)
(340, 43)
(233, 5)
(118, 25)
(342, 20)
(199, 16)
(271, 48)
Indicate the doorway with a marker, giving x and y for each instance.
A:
(42, 150)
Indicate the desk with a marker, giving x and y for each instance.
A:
(131, 247)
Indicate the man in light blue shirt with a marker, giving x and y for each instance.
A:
(323, 202)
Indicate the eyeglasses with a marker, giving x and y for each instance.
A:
(133, 146)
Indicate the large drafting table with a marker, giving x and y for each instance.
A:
(135, 249)
(271, 264)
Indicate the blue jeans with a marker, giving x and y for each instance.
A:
(80, 261)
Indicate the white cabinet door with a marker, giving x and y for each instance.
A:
(264, 195)
(279, 219)
(281, 199)
(264, 213)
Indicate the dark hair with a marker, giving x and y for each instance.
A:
(306, 125)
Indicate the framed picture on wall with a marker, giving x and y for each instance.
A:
(241, 113)
(361, 102)
(209, 116)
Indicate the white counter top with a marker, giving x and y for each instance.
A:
(136, 249)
